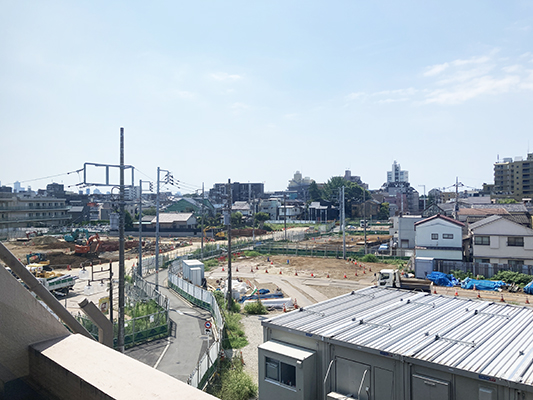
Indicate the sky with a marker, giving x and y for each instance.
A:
(254, 91)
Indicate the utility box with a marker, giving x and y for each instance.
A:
(286, 372)
(190, 264)
(423, 267)
(196, 275)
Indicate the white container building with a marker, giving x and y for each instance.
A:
(384, 344)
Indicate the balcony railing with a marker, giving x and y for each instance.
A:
(23, 218)
(33, 208)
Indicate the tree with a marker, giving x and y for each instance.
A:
(128, 221)
(236, 219)
(149, 211)
(507, 201)
(384, 211)
(260, 218)
(314, 192)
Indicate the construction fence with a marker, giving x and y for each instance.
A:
(154, 325)
(206, 300)
(485, 269)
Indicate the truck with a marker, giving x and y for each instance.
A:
(59, 283)
(395, 278)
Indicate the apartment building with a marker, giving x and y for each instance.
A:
(514, 178)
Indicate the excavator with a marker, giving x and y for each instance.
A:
(83, 250)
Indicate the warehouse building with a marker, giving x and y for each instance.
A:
(384, 343)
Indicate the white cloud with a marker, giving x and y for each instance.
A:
(224, 76)
(355, 96)
(513, 68)
(387, 101)
(477, 87)
(399, 92)
(438, 68)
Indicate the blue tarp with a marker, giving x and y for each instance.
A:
(442, 279)
(528, 289)
(469, 283)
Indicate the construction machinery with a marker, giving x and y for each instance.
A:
(55, 282)
(37, 258)
(76, 236)
(85, 249)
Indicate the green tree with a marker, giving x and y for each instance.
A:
(128, 221)
(149, 211)
(314, 192)
(236, 220)
(507, 201)
(260, 218)
(384, 211)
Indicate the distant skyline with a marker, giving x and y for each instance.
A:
(255, 91)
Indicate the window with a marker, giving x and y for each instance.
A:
(280, 372)
(434, 236)
(482, 240)
(516, 241)
(447, 235)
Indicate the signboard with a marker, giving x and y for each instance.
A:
(207, 331)
(103, 304)
(207, 325)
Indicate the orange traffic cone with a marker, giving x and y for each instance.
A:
(434, 290)
(252, 270)
(501, 299)
(280, 272)
(369, 269)
(478, 295)
(345, 276)
(222, 269)
(271, 262)
(295, 304)
(237, 269)
(355, 273)
(456, 294)
(68, 267)
(527, 300)
(312, 276)
(284, 308)
(266, 271)
(296, 273)
(256, 267)
(327, 276)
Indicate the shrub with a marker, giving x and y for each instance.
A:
(213, 262)
(255, 308)
(237, 384)
(250, 253)
(235, 337)
(513, 277)
(370, 258)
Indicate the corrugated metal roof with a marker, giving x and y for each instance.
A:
(481, 337)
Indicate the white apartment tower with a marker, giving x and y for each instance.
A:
(397, 175)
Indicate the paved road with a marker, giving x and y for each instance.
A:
(178, 355)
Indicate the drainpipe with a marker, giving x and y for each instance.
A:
(35, 286)
(105, 327)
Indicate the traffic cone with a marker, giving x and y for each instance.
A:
(284, 308)
(256, 267)
(68, 267)
(369, 269)
(527, 300)
(280, 272)
(327, 276)
(296, 273)
(355, 273)
(271, 262)
(312, 276)
(456, 294)
(501, 299)
(364, 271)
(478, 295)
(345, 276)
(252, 270)
(295, 304)
(236, 269)
(434, 290)
(266, 271)
(222, 269)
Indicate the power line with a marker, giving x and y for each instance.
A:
(46, 177)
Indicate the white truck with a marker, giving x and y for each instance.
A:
(59, 284)
(394, 278)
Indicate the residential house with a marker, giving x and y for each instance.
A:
(497, 239)
(173, 221)
(439, 237)
(403, 231)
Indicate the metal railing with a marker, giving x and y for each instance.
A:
(486, 269)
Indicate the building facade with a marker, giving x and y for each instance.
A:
(26, 210)
(514, 178)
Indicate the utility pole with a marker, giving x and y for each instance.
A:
(343, 225)
(228, 208)
(364, 214)
(285, 213)
(121, 268)
(203, 199)
(140, 261)
(157, 233)
(253, 222)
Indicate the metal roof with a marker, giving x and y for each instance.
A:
(476, 336)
